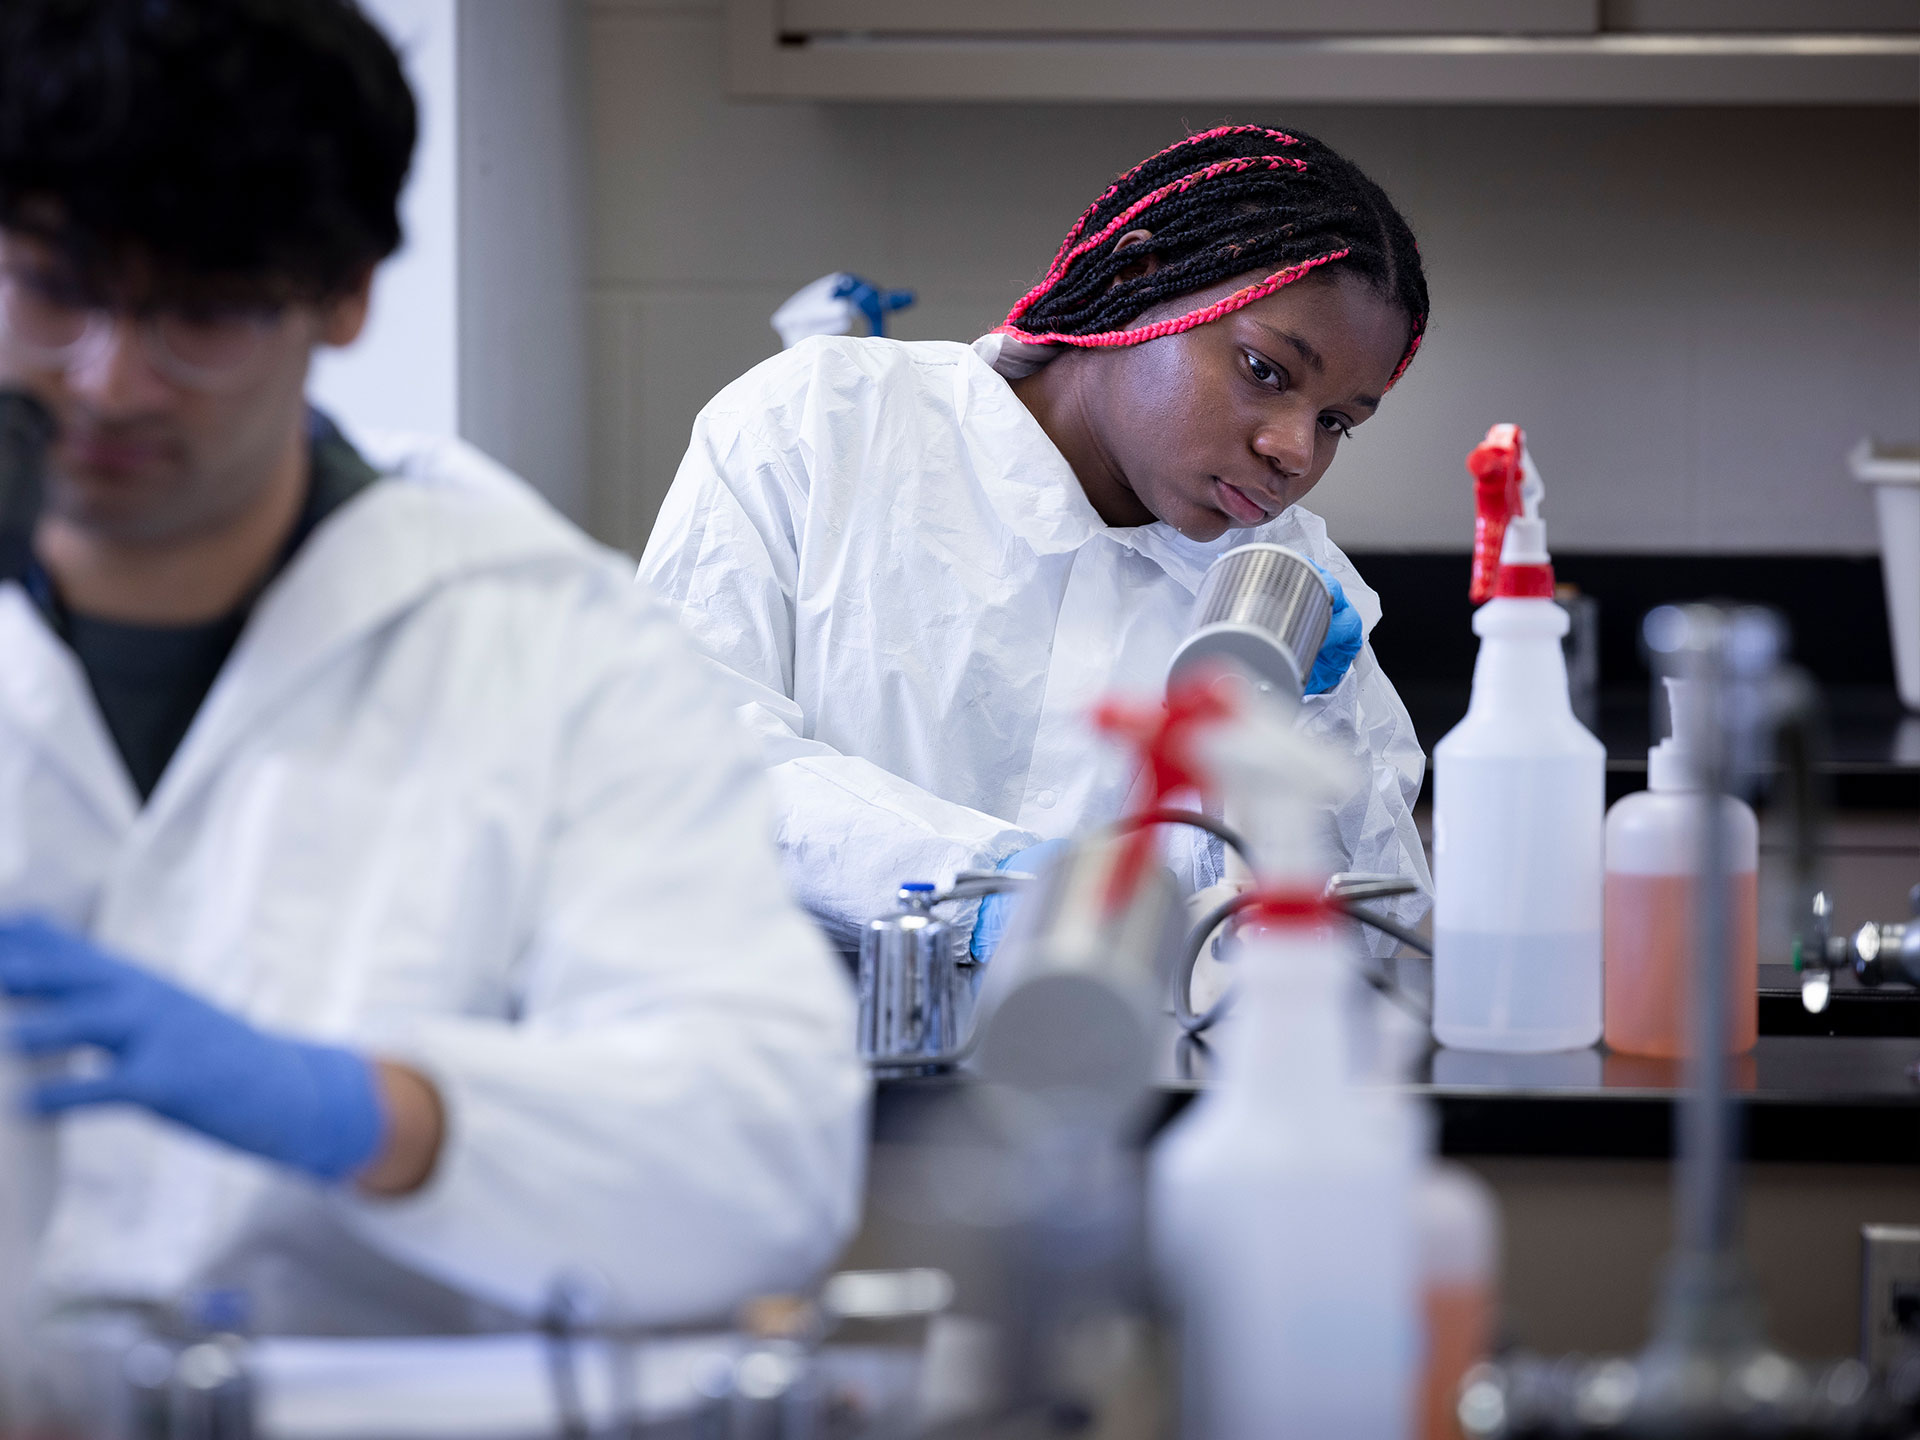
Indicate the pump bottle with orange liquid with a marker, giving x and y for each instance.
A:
(1652, 889)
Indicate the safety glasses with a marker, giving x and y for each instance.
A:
(200, 348)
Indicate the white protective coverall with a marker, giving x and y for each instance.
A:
(919, 608)
(465, 797)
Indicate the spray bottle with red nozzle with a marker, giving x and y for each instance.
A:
(1282, 1202)
(1519, 794)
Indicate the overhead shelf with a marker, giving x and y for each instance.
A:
(1159, 17)
(1531, 51)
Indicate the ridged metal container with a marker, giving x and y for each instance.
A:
(914, 992)
(1262, 609)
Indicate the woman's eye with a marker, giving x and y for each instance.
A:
(1335, 425)
(1261, 371)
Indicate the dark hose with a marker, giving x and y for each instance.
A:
(1198, 1022)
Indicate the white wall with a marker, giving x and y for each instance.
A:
(522, 206)
(1693, 311)
(477, 325)
(403, 372)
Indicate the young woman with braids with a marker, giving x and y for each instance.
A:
(922, 563)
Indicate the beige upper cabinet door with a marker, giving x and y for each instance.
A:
(1190, 17)
(1763, 17)
(1529, 52)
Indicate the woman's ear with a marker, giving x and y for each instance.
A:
(1145, 264)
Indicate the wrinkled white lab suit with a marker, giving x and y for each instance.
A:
(918, 608)
(465, 797)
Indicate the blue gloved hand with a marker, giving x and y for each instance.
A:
(314, 1107)
(1345, 635)
(996, 910)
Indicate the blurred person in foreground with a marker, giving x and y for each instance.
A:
(379, 862)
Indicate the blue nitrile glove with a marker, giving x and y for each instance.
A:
(997, 909)
(1345, 635)
(314, 1107)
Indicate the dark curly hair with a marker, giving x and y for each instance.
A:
(255, 141)
(1234, 200)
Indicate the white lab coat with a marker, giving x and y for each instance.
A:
(918, 608)
(464, 797)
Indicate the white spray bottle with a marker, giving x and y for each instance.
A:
(1282, 1200)
(1519, 792)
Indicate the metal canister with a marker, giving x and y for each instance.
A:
(1070, 1008)
(1263, 609)
(913, 987)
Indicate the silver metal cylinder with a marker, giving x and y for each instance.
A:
(914, 990)
(1262, 609)
(1069, 1010)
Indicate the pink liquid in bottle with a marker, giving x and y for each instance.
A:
(1650, 944)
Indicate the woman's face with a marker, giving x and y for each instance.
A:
(1225, 425)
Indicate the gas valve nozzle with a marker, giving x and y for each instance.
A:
(1878, 952)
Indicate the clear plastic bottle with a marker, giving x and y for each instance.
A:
(1519, 801)
(1283, 1217)
(1652, 887)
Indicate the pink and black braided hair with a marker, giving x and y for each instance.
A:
(1236, 200)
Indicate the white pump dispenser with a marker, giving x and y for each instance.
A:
(1282, 1199)
(1519, 793)
(1671, 763)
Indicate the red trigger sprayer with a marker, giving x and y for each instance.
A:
(1164, 738)
(1509, 538)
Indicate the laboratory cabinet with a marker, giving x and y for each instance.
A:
(1155, 17)
(1577, 1148)
(1391, 51)
(1578, 1151)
